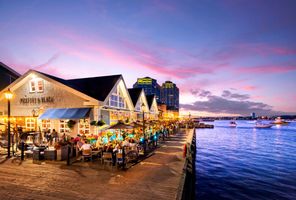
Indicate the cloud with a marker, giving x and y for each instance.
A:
(216, 104)
(229, 102)
(267, 69)
(49, 62)
(229, 95)
(200, 92)
(249, 87)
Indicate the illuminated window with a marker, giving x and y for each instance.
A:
(117, 101)
(32, 86)
(84, 126)
(36, 85)
(113, 101)
(45, 125)
(30, 124)
(139, 105)
(121, 102)
(64, 126)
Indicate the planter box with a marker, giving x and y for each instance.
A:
(50, 154)
(64, 150)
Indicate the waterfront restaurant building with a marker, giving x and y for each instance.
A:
(140, 103)
(153, 108)
(41, 101)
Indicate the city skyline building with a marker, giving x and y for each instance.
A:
(170, 95)
(150, 86)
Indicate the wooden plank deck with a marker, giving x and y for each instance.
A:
(157, 177)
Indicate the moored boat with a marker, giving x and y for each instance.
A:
(279, 121)
(260, 125)
(232, 124)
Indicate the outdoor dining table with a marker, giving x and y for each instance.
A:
(97, 152)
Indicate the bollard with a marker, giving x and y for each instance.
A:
(22, 150)
(68, 155)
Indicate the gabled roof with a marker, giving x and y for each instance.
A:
(9, 70)
(95, 87)
(150, 100)
(135, 94)
(7, 75)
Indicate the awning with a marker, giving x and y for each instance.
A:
(65, 113)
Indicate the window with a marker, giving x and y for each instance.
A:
(36, 85)
(40, 86)
(64, 127)
(117, 101)
(84, 126)
(139, 105)
(45, 125)
(113, 101)
(121, 102)
(30, 124)
(32, 86)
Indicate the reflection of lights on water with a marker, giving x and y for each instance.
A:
(278, 126)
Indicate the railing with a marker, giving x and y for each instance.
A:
(186, 189)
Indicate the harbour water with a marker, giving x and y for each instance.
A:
(246, 163)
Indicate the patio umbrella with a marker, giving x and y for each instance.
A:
(153, 122)
(136, 125)
(121, 126)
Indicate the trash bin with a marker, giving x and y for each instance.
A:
(50, 154)
(38, 155)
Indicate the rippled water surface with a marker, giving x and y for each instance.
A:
(246, 163)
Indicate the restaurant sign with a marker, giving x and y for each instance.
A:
(36, 100)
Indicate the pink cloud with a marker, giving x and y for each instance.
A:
(132, 55)
(266, 69)
(237, 51)
(257, 97)
(249, 87)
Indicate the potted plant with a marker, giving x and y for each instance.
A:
(93, 123)
(101, 123)
(127, 120)
(71, 124)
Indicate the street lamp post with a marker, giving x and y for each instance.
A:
(144, 144)
(8, 95)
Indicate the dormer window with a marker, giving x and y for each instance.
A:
(138, 106)
(36, 85)
(117, 101)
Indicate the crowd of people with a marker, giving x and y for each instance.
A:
(81, 143)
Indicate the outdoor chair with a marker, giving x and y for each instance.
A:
(107, 159)
(86, 154)
(119, 159)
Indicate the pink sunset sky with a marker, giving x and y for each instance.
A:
(227, 57)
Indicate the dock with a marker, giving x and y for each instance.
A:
(157, 177)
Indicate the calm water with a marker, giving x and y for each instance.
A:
(246, 163)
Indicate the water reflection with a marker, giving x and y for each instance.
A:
(246, 163)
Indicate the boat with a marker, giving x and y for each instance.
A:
(232, 124)
(261, 125)
(279, 121)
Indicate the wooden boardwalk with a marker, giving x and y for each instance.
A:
(157, 177)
